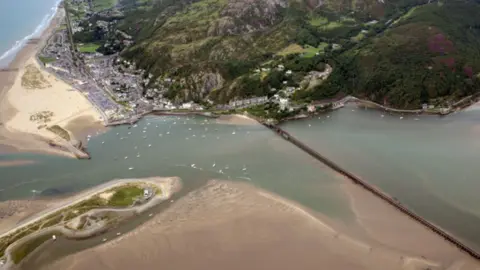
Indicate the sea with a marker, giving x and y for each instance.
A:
(20, 21)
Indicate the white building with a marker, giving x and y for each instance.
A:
(284, 103)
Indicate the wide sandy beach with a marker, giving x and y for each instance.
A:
(31, 100)
(227, 225)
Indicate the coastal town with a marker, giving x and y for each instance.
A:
(121, 92)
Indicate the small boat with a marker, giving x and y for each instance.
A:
(328, 116)
(103, 142)
(233, 133)
(149, 145)
(220, 171)
(118, 233)
(193, 135)
(160, 135)
(118, 133)
(138, 155)
(126, 157)
(129, 133)
(174, 123)
(382, 115)
(193, 165)
(203, 136)
(213, 166)
(135, 125)
(401, 117)
(131, 168)
(168, 132)
(150, 215)
(244, 169)
(104, 239)
(54, 237)
(226, 167)
(144, 131)
(189, 128)
(416, 119)
(135, 147)
(309, 125)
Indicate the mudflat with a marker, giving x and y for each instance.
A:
(227, 225)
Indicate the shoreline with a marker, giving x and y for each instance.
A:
(19, 140)
(167, 186)
(19, 103)
(235, 221)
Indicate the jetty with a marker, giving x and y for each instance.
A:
(374, 190)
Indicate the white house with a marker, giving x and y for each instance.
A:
(187, 106)
(283, 102)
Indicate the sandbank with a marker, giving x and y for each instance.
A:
(227, 225)
(236, 119)
(17, 162)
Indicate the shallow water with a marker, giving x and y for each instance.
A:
(428, 163)
(171, 146)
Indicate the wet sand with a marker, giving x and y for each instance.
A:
(236, 119)
(17, 162)
(227, 225)
(18, 103)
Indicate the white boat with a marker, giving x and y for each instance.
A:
(382, 115)
(149, 145)
(244, 169)
(160, 135)
(103, 142)
(309, 125)
(150, 215)
(189, 128)
(104, 239)
(118, 233)
(213, 166)
(193, 165)
(233, 133)
(168, 132)
(126, 157)
(135, 125)
(220, 171)
(401, 117)
(131, 168)
(138, 155)
(54, 237)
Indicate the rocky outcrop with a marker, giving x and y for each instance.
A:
(245, 16)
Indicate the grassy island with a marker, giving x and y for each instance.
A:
(123, 196)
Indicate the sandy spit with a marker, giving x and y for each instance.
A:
(227, 225)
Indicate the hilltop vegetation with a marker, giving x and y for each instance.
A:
(430, 55)
(402, 53)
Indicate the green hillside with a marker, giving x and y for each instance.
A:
(401, 52)
(430, 55)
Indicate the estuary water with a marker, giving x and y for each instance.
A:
(429, 163)
(21, 20)
(195, 149)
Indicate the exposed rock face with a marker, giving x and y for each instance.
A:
(244, 16)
